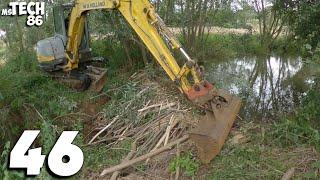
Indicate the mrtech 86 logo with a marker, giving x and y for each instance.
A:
(34, 11)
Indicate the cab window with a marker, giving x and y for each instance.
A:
(58, 20)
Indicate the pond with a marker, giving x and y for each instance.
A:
(270, 86)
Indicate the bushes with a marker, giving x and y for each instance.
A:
(304, 127)
(287, 46)
(233, 45)
(310, 110)
(115, 54)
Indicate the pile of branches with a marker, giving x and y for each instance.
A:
(165, 129)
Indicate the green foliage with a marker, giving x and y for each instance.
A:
(113, 51)
(314, 172)
(286, 46)
(312, 54)
(186, 162)
(229, 18)
(303, 128)
(310, 110)
(24, 86)
(98, 157)
(230, 45)
(295, 133)
(242, 162)
(310, 175)
(4, 172)
(125, 93)
(305, 21)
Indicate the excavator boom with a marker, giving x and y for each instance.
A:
(221, 107)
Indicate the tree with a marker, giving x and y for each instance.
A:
(271, 17)
(196, 17)
(304, 21)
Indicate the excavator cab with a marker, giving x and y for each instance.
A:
(51, 53)
(61, 19)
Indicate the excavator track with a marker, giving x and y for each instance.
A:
(75, 80)
(92, 78)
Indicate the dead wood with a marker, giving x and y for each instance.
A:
(157, 105)
(104, 129)
(129, 156)
(144, 157)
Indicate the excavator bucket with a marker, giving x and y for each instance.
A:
(98, 78)
(212, 130)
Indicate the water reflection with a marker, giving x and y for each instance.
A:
(270, 86)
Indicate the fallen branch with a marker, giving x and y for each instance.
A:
(167, 134)
(157, 105)
(129, 156)
(144, 157)
(102, 130)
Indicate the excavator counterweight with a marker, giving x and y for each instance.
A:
(65, 54)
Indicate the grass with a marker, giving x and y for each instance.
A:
(261, 158)
(187, 163)
(2, 53)
(24, 90)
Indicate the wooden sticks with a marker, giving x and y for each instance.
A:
(143, 157)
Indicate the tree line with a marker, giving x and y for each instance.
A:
(298, 20)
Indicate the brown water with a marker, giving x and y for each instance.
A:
(270, 87)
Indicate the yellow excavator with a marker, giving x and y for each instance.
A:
(66, 55)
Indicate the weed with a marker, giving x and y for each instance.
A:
(100, 156)
(313, 173)
(4, 172)
(293, 133)
(186, 162)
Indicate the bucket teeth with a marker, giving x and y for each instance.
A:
(98, 78)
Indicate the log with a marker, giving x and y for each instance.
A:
(129, 156)
(143, 157)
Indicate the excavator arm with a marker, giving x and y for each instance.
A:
(141, 16)
(221, 107)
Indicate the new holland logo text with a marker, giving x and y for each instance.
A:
(33, 10)
(94, 5)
